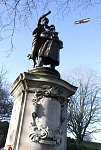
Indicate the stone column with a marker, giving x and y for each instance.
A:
(39, 120)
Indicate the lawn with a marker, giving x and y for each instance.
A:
(86, 145)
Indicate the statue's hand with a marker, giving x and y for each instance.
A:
(49, 12)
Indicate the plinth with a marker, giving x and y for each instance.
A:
(39, 116)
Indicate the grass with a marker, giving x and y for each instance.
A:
(86, 145)
(92, 145)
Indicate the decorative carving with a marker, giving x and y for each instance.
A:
(48, 115)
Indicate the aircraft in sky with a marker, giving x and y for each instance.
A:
(82, 21)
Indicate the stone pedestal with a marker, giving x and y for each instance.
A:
(39, 120)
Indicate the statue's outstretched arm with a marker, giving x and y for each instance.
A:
(39, 21)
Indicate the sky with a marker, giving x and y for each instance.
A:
(81, 45)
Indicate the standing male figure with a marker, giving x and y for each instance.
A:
(38, 41)
(49, 52)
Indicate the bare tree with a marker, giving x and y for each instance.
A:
(84, 108)
(5, 100)
(16, 14)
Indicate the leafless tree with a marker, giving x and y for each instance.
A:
(84, 108)
(5, 100)
(17, 14)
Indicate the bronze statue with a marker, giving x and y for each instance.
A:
(38, 41)
(49, 51)
(46, 44)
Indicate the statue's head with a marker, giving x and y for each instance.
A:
(52, 27)
(45, 21)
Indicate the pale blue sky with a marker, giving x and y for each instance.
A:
(82, 44)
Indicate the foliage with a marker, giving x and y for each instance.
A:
(84, 108)
(3, 132)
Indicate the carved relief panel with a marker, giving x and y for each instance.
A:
(48, 115)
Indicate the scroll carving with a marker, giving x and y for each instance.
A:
(48, 116)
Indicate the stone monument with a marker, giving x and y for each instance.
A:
(39, 120)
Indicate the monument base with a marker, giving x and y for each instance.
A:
(39, 120)
(45, 71)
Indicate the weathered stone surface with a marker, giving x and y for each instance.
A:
(38, 119)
